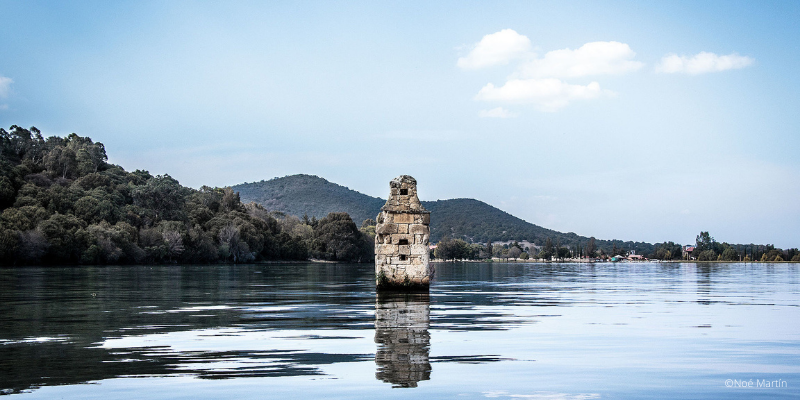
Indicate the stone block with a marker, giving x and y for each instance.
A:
(404, 250)
(417, 228)
(386, 249)
(386, 229)
(402, 228)
(418, 250)
(403, 218)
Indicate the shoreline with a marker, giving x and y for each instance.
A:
(578, 261)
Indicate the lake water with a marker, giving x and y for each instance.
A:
(501, 331)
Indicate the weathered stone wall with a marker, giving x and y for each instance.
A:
(402, 237)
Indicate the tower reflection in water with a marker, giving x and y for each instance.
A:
(401, 332)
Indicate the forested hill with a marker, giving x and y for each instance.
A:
(468, 219)
(309, 195)
(478, 222)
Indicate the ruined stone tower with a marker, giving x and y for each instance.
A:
(401, 239)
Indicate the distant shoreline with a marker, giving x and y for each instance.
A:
(576, 261)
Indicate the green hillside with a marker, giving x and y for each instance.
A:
(478, 222)
(309, 195)
(468, 219)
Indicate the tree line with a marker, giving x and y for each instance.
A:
(458, 249)
(706, 248)
(61, 202)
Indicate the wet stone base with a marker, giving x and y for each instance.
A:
(402, 287)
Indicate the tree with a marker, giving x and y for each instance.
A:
(368, 227)
(704, 242)
(174, 243)
(662, 254)
(707, 255)
(730, 255)
(514, 252)
(591, 247)
(89, 156)
(337, 238)
(231, 245)
(7, 192)
(444, 249)
(230, 200)
(563, 252)
(548, 251)
(9, 241)
(61, 231)
(61, 161)
(451, 249)
(668, 251)
(162, 194)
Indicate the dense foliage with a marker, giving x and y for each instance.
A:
(62, 202)
(457, 249)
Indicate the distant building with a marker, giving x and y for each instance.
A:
(688, 253)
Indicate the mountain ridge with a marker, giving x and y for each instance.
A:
(462, 218)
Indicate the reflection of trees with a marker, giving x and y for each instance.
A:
(54, 321)
(401, 332)
(704, 283)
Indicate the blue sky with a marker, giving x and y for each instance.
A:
(631, 120)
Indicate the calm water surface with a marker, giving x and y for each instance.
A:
(536, 331)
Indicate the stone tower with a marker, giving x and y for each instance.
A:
(401, 239)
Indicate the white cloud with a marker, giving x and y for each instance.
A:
(498, 112)
(5, 86)
(701, 63)
(594, 58)
(497, 49)
(548, 94)
(538, 81)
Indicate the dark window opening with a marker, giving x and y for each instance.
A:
(402, 242)
(403, 192)
(402, 257)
